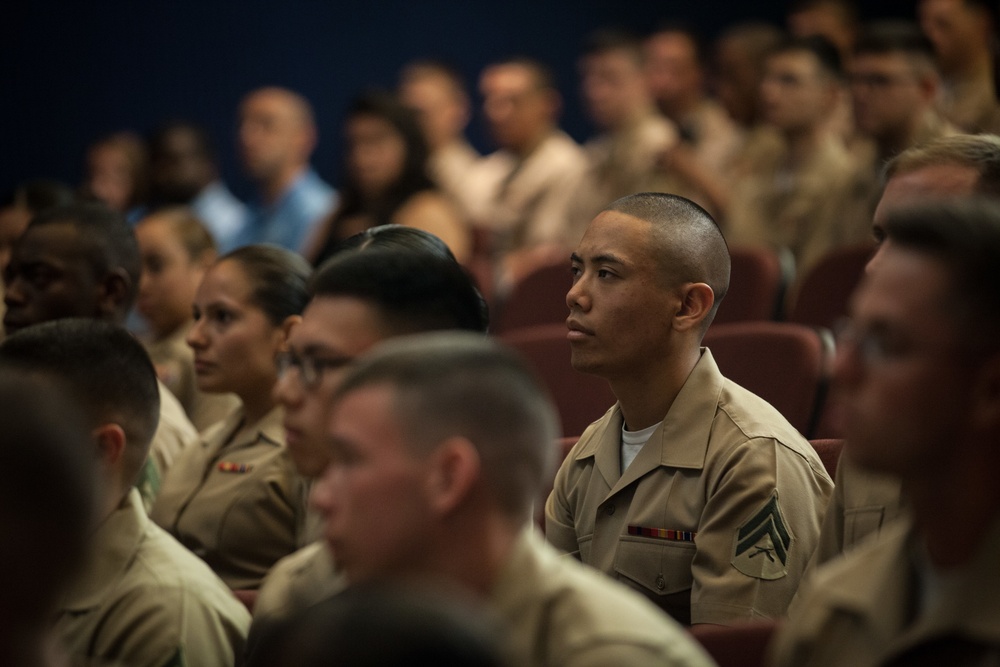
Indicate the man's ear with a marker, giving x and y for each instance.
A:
(697, 300)
(455, 468)
(286, 328)
(114, 294)
(110, 440)
(985, 412)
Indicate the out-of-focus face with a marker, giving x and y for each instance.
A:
(613, 87)
(825, 22)
(443, 111)
(334, 330)
(376, 153)
(13, 221)
(737, 80)
(796, 94)
(179, 171)
(170, 277)
(954, 29)
(906, 189)
(517, 111)
(672, 69)
(374, 495)
(50, 277)
(109, 176)
(273, 134)
(902, 375)
(617, 283)
(233, 340)
(886, 92)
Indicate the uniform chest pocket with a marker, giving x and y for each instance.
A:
(862, 522)
(661, 567)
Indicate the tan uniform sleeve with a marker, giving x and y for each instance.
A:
(560, 526)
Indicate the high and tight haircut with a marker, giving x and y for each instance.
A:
(108, 240)
(820, 48)
(457, 384)
(187, 228)
(892, 37)
(279, 279)
(980, 152)
(202, 139)
(103, 368)
(846, 10)
(412, 291)
(964, 236)
(687, 241)
(38, 195)
(48, 497)
(542, 75)
(678, 27)
(608, 40)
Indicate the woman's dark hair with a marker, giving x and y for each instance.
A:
(413, 179)
(280, 279)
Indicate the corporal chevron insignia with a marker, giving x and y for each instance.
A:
(762, 543)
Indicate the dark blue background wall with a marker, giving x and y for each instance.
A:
(71, 71)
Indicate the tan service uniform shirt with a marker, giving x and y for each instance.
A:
(174, 361)
(450, 168)
(235, 499)
(143, 600)
(558, 612)
(530, 202)
(298, 581)
(714, 520)
(862, 503)
(865, 610)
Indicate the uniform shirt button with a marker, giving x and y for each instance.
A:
(660, 582)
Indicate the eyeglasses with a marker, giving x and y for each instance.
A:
(877, 346)
(310, 368)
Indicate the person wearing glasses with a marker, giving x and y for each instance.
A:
(234, 497)
(395, 282)
(918, 372)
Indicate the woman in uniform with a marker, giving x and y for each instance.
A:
(233, 497)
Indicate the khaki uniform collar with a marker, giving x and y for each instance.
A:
(681, 441)
(110, 552)
(269, 429)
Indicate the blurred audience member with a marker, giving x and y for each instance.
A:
(528, 187)
(835, 20)
(117, 173)
(740, 53)
(277, 137)
(387, 180)
(963, 38)
(438, 94)
(20, 205)
(176, 251)
(624, 157)
(184, 169)
(46, 447)
(141, 599)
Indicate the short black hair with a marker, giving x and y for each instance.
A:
(613, 39)
(103, 368)
(38, 195)
(964, 235)
(413, 291)
(279, 279)
(678, 27)
(884, 37)
(110, 243)
(820, 47)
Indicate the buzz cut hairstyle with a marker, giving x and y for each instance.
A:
(687, 240)
(457, 384)
(607, 40)
(542, 74)
(108, 240)
(103, 368)
(820, 48)
(964, 235)
(902, 37)
(678, 27)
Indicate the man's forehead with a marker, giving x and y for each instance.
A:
(61, 239)
(337, 322)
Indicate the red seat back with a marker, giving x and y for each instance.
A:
(825, 292)
(742, 645)
(756, 285)
(538, 298)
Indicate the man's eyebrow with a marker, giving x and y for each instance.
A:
(606, 258)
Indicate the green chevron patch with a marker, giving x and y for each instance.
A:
(762, 543)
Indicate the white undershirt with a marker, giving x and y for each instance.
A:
(632, 442)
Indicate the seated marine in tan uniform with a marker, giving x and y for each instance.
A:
(141, 599)
(691, 489)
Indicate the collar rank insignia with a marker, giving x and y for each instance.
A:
(762, 543)
(231, 466)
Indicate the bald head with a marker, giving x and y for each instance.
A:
(277, 133)
(685, 239)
